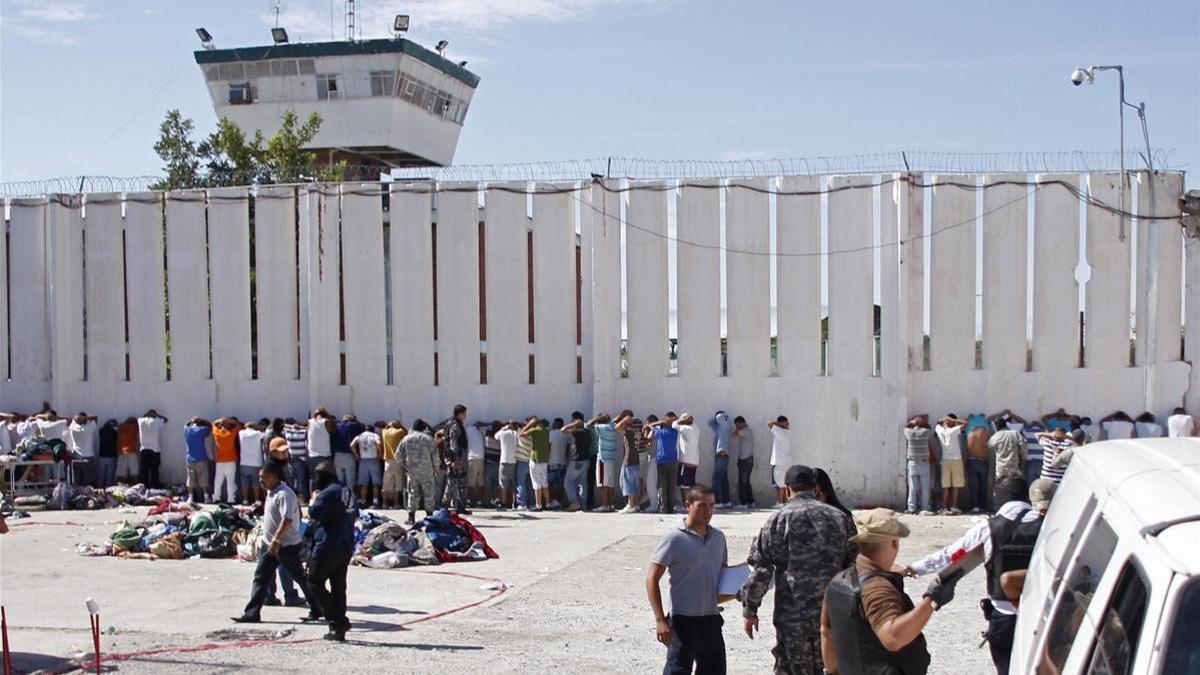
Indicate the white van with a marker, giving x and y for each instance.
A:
(1114, 583)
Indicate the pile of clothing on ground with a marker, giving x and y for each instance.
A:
(175, 530)
(77, 497)
(443, 537)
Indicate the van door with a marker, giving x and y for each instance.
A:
(1180, 627)
(1115, 647)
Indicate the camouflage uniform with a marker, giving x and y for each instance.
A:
(803, 545)
(417, 453)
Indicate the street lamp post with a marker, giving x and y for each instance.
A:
(1147, 335)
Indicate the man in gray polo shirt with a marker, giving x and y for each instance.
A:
(694, 553)
(280, 542)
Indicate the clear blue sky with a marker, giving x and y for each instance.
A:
(85, 83)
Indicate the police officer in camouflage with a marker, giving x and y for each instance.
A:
(456, 460)
(419, 457)
(801, 546)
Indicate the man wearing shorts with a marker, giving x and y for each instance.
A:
(950, 433)
(365, 447)
(509, 437)
(539, 461)
(607, 469)
(475, 455)
(393, 468)
(630, 468)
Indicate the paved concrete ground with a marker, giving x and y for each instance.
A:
(575, 603)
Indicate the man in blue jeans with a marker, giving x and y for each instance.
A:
(918, 439)
(722, 441)
(694, 553)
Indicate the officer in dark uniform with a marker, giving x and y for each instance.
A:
(1004, 543)
(869, 626)
(333, 511)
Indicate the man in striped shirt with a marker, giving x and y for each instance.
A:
(296, 435)
(1054, 443)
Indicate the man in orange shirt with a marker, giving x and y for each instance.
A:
(225, 438)
(128, 444)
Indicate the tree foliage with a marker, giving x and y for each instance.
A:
(229, 157)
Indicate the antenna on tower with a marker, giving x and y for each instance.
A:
(277, 13)
(350, 20)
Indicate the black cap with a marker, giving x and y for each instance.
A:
(800, 476)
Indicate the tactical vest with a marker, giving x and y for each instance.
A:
(859, 651)
(1012, 548)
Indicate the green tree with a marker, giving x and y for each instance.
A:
(178, 151)
(230, 159)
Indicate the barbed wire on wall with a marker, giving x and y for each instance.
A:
(650, 169)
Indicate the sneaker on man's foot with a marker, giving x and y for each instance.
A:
(926, 512)
(628, 509)
(955, 511)
(312, 618)
(245, 619)
(574, 507)
(335, 636)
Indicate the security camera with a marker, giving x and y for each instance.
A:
(1078, 76)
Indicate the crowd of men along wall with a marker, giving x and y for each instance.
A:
(405, 298)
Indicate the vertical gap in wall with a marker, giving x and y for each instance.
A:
(977, 265)
(529, 298)
(483, 373)
(433, 239)
(1083, 276)
(125, 297)
(341, 295)
(1131, 240)
(577, 231)
(723, 255)
(623, 203)
(208, 293)
(1030, 260)
(166, 296)
(253, 245)
(84, 294)
(773, 270)
(877, 254)
(672, 345)
(926, 277)
(388, 310)
(824, 299)
(296, 273)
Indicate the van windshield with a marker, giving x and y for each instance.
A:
(1183, 650)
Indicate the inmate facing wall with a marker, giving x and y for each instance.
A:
(846, 303)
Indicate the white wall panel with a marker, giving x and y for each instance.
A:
(145, 287)
(362, 275)
(1055, 255)
(748, 277)
(1168, 251)
(646, 270)
(891, 355)
(1191, 276)
(1005, 264)
(506, 230)
(458, 285)
(798, 247)
(29, 292)
(1107, 291)
(320, 237)
(276, 266)
(952, 266)
(698, 270)
(103, 256)
(64, 229)
(4, 293)
(851, 276)
(554, 285)
(229, 283)
(911, 206)
(412, 286)
(187, 286)
(603, 219)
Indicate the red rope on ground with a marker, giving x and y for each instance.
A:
(68, 523)
(209, 646)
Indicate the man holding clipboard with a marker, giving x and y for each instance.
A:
(694, 553)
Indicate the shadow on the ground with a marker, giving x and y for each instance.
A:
(25, 662)
(380, 609)
(417, 645)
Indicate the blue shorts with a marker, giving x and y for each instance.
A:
(556, 473)
(370, 473)
(248, 475)
(629, 480)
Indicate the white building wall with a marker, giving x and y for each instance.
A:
(748, 277)
(506, 287)
(857, 438)
(104, 281)
(1107, 292)
(1055, 254)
